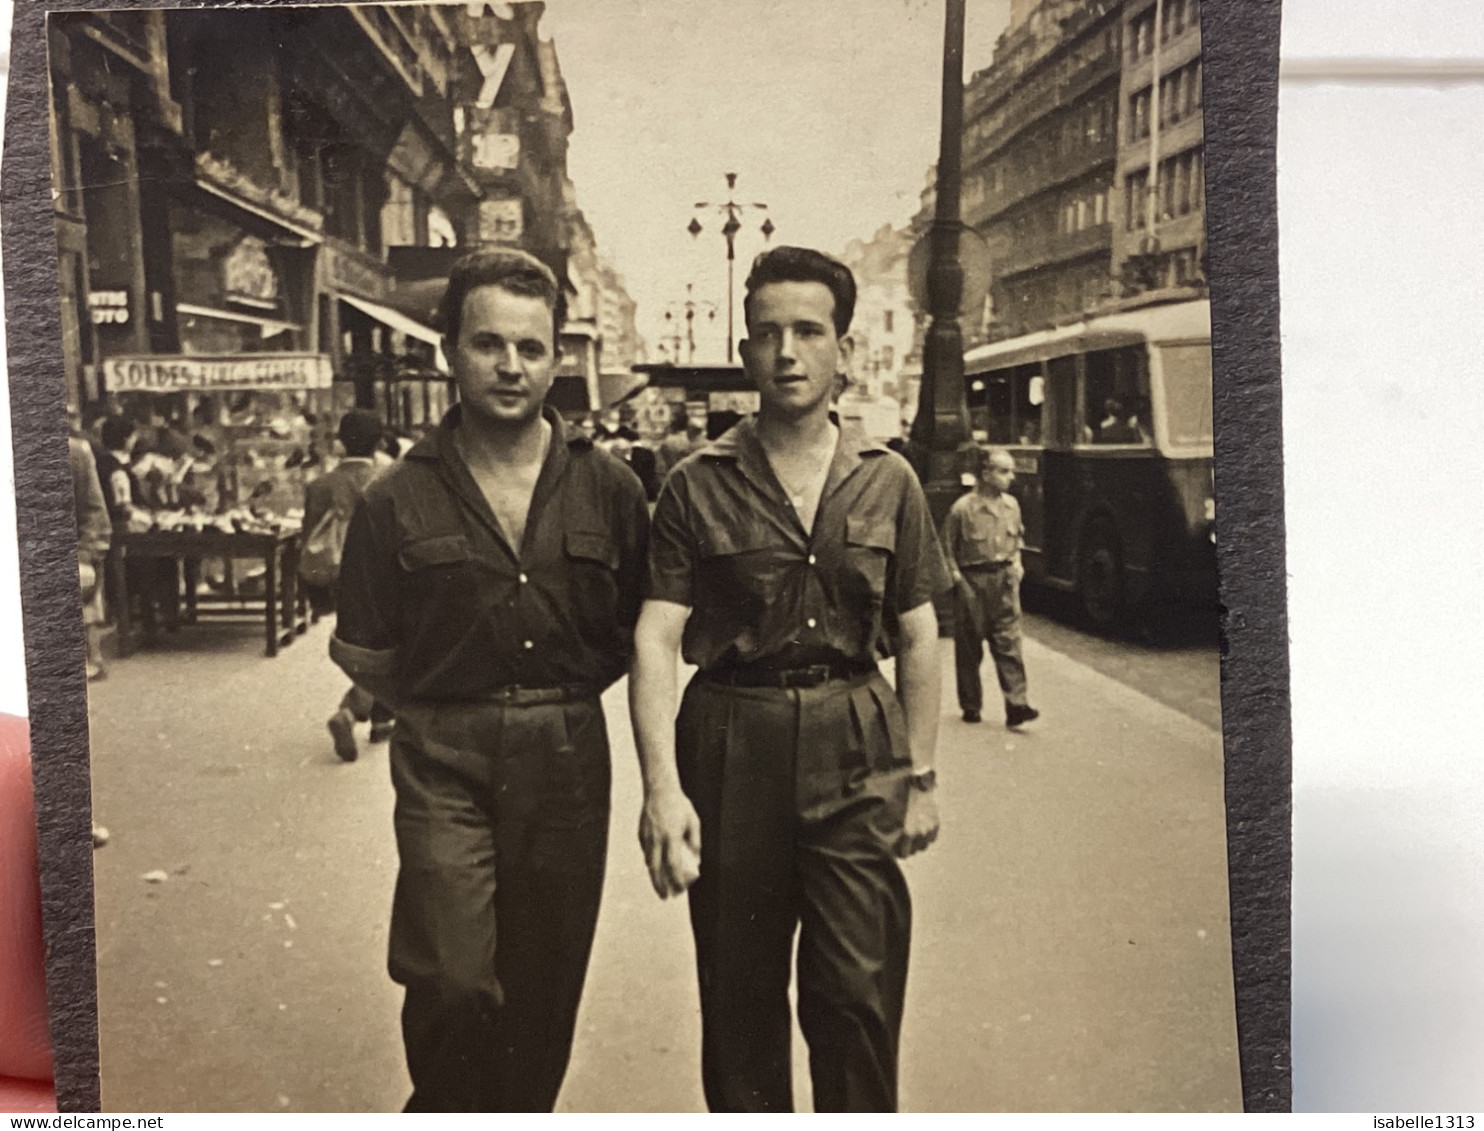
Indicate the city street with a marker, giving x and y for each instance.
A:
(1071, 932)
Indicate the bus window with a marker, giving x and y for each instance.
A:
(1187, 385)
(1028, 390)
(1116, 407)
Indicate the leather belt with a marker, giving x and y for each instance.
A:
(987, 567)
(749, 675)
(517, 696)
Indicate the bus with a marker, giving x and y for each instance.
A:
(1109, 423)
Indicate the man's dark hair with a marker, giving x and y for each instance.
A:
(804, 265)
(360, 432)
(116, 433)
(506, 268)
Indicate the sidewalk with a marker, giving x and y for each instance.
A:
(1070, 946)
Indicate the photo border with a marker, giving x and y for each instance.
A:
(1240, 48)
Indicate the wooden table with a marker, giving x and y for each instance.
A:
(283, 606)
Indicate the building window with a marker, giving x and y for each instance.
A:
(1135, 188)
(1138, 114)
(888, 319)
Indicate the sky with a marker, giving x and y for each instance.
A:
(827, 110)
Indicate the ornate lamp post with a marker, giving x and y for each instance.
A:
(733, 212)
(687, 310)
(941, 426)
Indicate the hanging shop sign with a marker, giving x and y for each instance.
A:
(108, 308)
(173, 373)
(501, 221)
(348, 273)
(248, 276)
(496, 151)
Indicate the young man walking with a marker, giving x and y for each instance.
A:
(983, 535)
(488, 592)
(784, 555)
(329, 501)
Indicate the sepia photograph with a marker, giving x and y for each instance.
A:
(647, 555)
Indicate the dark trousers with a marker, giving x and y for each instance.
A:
(364, 706)
(801, 794)
(502, 830)
(989, 610)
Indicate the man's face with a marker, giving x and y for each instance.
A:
(792, 353)
(1000, 473)
(505, 357)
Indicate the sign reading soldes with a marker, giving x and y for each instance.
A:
(174, 373)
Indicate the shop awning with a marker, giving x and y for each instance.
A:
(395, 319)
(269, 326)
(388, 316)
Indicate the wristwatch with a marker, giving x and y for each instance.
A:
(924, 780)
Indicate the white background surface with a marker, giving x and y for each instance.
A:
(1382, 259)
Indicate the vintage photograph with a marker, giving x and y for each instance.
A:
(647, 555)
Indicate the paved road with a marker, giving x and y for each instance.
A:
(1175, 659)
(1070, 944)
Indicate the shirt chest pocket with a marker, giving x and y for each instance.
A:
(591, 548)
(870, 545)
(739, 563)
(437, 551)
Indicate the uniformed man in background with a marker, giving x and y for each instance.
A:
(982, 536)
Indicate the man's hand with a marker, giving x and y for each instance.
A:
(670, 834)
(920, 826)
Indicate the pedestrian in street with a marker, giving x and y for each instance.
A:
(329, 502)
(94, 535)
(783, 556)
(982, 536)
(687, 434)
(488, 593)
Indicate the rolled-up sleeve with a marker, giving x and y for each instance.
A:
(920, 572)
(365, 640)
(672, 557)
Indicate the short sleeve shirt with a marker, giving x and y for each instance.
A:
(727, 543)
(433, 595)
(980, 530)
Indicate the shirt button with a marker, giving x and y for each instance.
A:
(812, 559)
(524, 579)
(811, 622)
(530, 644)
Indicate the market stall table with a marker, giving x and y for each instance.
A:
(283, 605)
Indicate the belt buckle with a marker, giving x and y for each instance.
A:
(506, 694)
(812, 676)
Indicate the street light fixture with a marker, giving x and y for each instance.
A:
(733, 212)
(686, 309)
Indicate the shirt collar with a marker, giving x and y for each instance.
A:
(430, 447)
(740, 445)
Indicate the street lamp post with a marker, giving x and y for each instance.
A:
(686, 309)
(941, 426)
(733, 212)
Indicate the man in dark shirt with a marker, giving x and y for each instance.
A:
(784, 557)
(488, 592)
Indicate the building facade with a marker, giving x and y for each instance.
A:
(1159, 246)
(296, 181)
(1082, 99)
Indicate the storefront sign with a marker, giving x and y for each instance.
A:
(347, 273)
(248, 276)
(172, 373)
(109, 308)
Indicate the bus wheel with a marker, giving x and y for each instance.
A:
(1100, 575)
